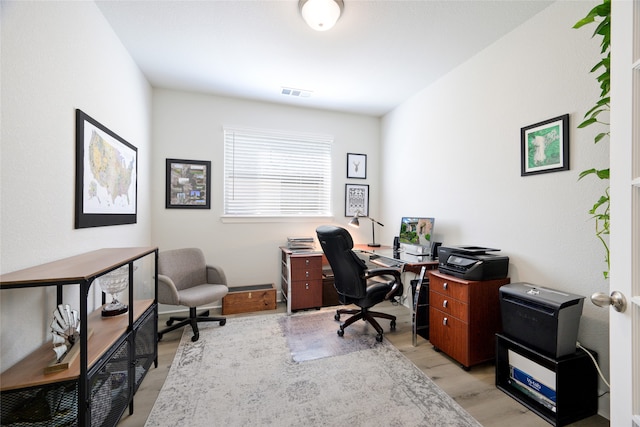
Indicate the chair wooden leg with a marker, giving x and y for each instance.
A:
(383, 315)
(369, 318)
(359, 315)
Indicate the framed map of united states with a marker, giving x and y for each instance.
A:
(106, 176)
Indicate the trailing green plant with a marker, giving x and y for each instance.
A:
(601, 14)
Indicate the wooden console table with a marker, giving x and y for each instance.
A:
(100, 383)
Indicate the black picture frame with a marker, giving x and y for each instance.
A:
(188, 184)
(356, 166)
(545, 146)
(356, 200)
(106, 176)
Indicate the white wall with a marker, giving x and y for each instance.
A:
(56, 57)
(190, 126)
(455, 148)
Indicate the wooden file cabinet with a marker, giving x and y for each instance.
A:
(464, 317)
(301, 279)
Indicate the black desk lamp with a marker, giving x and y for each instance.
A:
(356, 223)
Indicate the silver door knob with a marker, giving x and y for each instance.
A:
(617, 300)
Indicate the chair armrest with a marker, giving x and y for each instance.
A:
(167, 291)
(383, 271)
(396, 273)
(215, 275)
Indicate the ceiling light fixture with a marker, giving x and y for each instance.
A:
(321, 15)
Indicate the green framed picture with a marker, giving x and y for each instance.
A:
(545, 146)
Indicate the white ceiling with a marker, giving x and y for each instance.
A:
(379, 53)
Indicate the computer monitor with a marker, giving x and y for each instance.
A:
(415, 234)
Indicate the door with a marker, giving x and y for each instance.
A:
(624, 326)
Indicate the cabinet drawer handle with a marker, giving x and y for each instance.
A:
(306, 285)
(445, 303)
(306, 261)
(445, 286)
(445, 321)
(306, 274)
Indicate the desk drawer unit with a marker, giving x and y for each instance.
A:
(301, 279)
(306, 281)
(450, 307)
(464, 317)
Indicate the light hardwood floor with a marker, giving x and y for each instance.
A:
(474, 390)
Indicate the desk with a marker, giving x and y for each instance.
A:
(410, 263)
(304, 284)
(419, 303)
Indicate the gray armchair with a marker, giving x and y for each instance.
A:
(184, 278)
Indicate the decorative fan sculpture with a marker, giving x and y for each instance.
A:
(65, 329)
(113, 283)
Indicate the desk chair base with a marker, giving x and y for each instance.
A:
(367, 316)
(192, 320)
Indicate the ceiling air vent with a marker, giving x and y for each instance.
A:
(296, 92)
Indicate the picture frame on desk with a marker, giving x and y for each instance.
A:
(545, 146)
(356, 200)
(356, 166)
(106, 176)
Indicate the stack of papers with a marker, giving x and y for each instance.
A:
(300, 243)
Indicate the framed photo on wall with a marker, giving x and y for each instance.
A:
(356, 166)
(356, 200)
(188, 184)
(106, 176)
(545, 146)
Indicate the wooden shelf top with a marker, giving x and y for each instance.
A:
(29, 372)
(74, 269)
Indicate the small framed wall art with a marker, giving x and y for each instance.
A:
(545, 146)
(356, 166)
(188, 184)
(356, 200)
(106, 176)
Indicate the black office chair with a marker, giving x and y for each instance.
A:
(355, 283)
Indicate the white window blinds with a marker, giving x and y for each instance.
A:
(269, 173)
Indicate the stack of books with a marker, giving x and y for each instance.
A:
(300, 243)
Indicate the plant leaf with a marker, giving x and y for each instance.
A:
(585, 173)
(587, 123)
(600, 136)
(603, 174)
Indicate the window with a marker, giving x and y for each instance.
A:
(270, 173)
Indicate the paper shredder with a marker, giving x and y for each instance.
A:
(544, 319)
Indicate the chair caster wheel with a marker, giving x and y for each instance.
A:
(340, 332)
(379, 337)
(195, 337)
(223, 322)
(393, 325)
(169, 322)
(337, 317)
(159, 337)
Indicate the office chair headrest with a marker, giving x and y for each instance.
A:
(331, 231)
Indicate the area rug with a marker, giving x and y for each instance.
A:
(243, 374)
